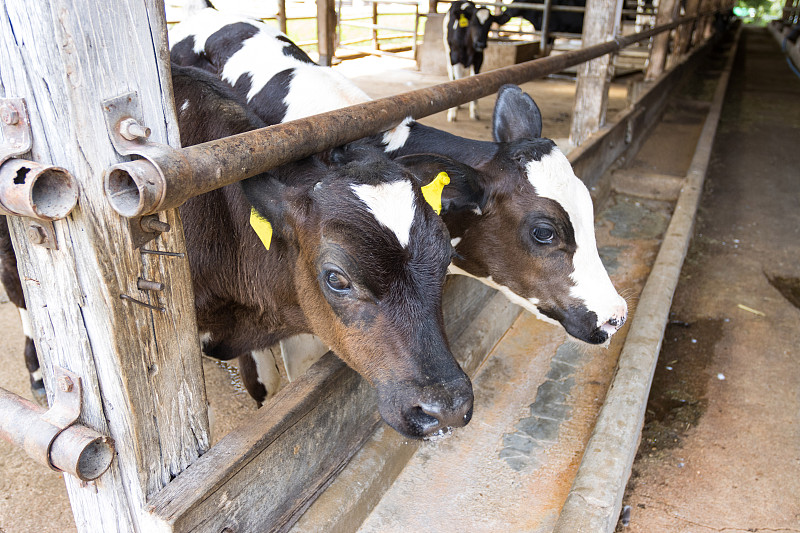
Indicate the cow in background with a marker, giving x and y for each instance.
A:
(560, 21)
(466, 31)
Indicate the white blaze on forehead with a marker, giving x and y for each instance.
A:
(483, 15)
(392, 204)
(553, 178)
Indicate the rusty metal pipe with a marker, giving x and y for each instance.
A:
(76, 450)
(168, 179)
(38, 191)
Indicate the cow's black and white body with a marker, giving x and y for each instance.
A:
(466, 33)
(520, 219)
(560, 21)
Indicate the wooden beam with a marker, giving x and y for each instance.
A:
(667, 12)
(282, 15)
(140, 368)
(684, 41)
(600, 24)
(326, 31)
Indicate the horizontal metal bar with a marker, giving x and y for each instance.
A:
(381, 53)
(533, 7)
(218, 163)
(345, 44)
(537, 33)
(381, 2)
(375, 27)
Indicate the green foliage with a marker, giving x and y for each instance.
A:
(758, 12)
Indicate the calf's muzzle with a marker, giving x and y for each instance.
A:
(419, 411)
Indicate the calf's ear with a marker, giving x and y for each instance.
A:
(516, 116)
(464, 191)
(273, 204)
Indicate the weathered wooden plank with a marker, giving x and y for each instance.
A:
(600, 25)
(257, 477)
(64, 57)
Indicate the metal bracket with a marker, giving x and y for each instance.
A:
(64, 411)
(27, 188)
(16, 128)
(129, 136)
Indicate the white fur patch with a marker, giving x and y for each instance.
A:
(454, 241)
(553, 178)
(37, 375)
(26, 323)
(529, 304)
(205, 337)
(267, 370)
(482, 15)
(392, 204)
(396, 137)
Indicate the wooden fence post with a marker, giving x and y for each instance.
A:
(326, 31)
(667, 12)
(376, 45)
(140, 368)
(282, 15)
(600, 24)
(684, 40)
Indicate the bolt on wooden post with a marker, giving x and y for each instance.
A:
(141, 367)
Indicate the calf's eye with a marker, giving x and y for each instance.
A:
(336, 281)
(543, 234)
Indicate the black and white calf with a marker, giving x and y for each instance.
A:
(466, 32)
(520, 219)
(560, 21)
(356, 257)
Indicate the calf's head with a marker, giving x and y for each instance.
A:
(522, 222)
(479, 24)
(371, 258)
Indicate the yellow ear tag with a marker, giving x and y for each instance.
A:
(262, 227)
(432, 192)
(463, 21)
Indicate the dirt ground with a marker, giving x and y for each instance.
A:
(720, 449)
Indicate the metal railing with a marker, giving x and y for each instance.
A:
(373, 25)
(176, 175)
